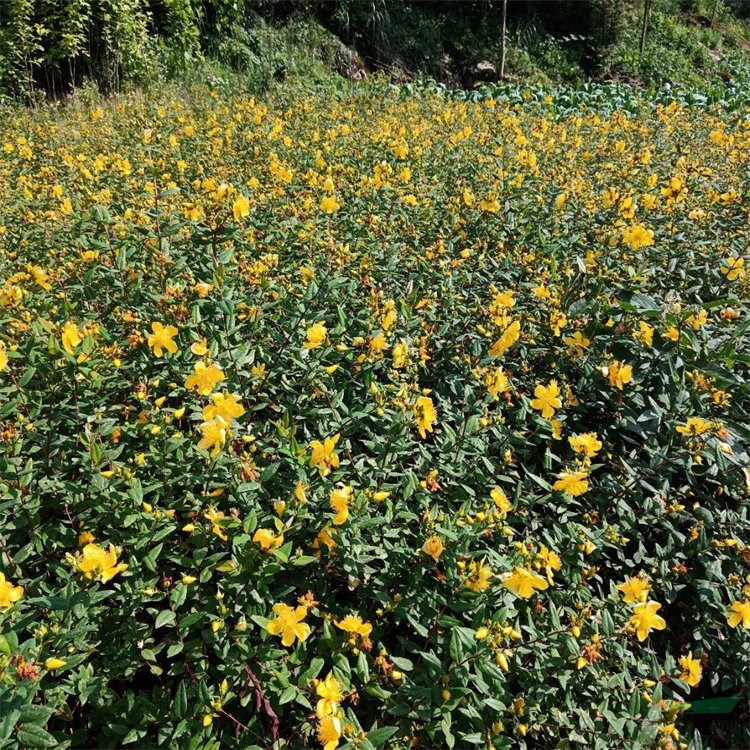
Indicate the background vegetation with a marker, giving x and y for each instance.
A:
(50, 48)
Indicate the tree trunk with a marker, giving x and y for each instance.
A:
(502, 41)
(644, 28)
(713, 13)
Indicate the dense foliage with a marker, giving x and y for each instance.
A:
(685, 40)
(51, 48)
(371, 420)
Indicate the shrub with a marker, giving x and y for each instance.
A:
(371, 420)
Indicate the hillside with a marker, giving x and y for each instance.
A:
(51, 51)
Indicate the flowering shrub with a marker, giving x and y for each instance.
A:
(371, 422)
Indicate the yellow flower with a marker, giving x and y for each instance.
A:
(214, 517)
(3, 357)
(618, 374)
(300, 495)
(214, 435)
(509, 337)
(9, 594)
(501, 500)
(203, 289)
(733, 268)
(240, 208)
(694, 426)
(340, 498)
(97, 563)
(330, 696)
(496, 382)
(433, 547)
(324, 536)
(490, 204)
(542, 292)
(192, 212)
(377, 344)
(645, 619)
(523, 582)
(692, 672)
(205, 378)
(557, 321)
(634, 590)
(400, 354)
(587, 444)
(502, 301)
(53, 663)
(549, 560)
(71, 337)
(355, 625)
(645, 333)
(587, 547)
(738, 613)
(699, 320)
(316, 336)
(425, 414)
(572, 483)
(388, 316)
(162, 338)
(289, 624)
(577, 343)
(329, 204)
(324, 456)
(675, 191)
(547, 399)
(267, 540)
(329, 732)
(224, 405)
(637, 236)
(479, 576)
(199, 348)
(258, 371)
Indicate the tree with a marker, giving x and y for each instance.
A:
(644, 27)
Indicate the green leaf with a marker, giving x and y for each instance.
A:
(405, 665)
(283, 552)
(455, 647)
(445, 726)
(33, 714)
(378, 737)
(149, 561)
(634, 707)
(179, 707)
(288, 695)
(363, 669)
(167, 617)
(31, 735)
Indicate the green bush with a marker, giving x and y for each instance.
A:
(360, 419)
